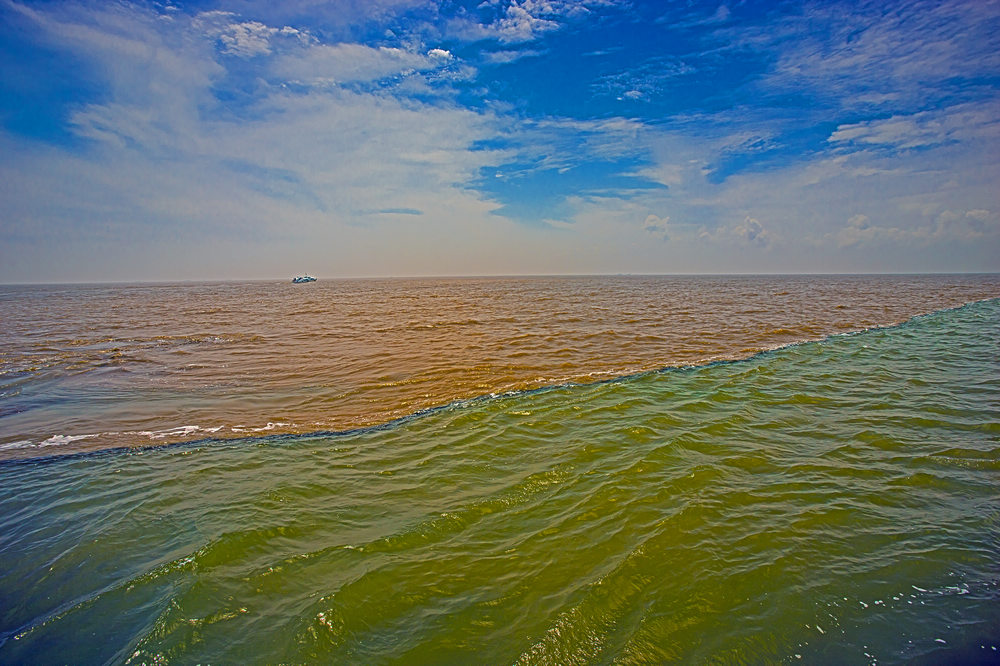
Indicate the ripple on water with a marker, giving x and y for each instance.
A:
(133, 365)
(693, 515)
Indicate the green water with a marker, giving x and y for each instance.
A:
(831, 502)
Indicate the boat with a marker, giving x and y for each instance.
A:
(303, 278)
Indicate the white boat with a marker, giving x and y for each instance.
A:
(303, 278)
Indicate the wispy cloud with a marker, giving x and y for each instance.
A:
(649, 80)
(907, 55)
(962, 122)
(505, 57)
(345, 63)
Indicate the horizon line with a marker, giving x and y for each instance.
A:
(481, 276)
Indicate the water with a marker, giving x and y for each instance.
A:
(92, 367)
(835, 501)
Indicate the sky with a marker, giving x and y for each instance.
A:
(244, 139)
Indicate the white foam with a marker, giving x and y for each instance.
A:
(59, 440)
(20, 444)
(169, 432)
(269, 426)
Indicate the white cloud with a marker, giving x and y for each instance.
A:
(518, 21)
(656, 226)
(973, 121)
(858, 221)
(141, 54)
(504, 57)
(971, 225)
(345, 63)
(873, 56)
(247, 39)
(751, 231)
(948, 226)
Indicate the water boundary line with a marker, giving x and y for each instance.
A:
(467, 402)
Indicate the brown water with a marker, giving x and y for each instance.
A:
(99, 366)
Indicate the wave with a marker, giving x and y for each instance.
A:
(196, 434)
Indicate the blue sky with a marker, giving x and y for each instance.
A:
(252, 139)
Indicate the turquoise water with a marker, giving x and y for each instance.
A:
(830, 502)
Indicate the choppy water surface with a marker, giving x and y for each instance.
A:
(86, 367)
(829, 502)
